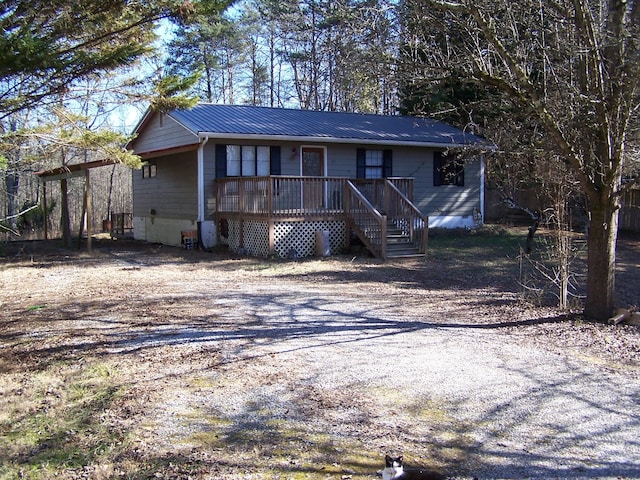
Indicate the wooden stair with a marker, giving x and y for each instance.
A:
(399, 244)
(400, 232)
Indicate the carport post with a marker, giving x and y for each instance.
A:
(44, 209)
(87, 199)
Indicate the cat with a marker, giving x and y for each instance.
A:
(395, 470)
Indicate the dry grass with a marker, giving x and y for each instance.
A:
(112, 365)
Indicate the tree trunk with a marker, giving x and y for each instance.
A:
(601, 259)
(110, 194)
(12, 181)
(65, 218)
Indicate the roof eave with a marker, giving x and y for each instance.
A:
(320, 139)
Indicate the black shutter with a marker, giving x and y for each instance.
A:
(437, 169)
(276, 162)
(361, 159)
(221, 161)
(387, 163)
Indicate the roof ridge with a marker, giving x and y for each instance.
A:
(292, 109)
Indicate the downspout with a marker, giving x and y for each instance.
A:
(201, 201)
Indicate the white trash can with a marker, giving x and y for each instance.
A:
(323, 243)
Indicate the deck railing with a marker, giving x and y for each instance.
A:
(366, 220)
(121, 223)
(375, 191)
(280, 196)
(405, 216)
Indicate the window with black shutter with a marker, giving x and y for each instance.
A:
(447, 170)
(373, 164)
(247, 161)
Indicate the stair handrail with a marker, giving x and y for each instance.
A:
(379, 249)
(421, 243)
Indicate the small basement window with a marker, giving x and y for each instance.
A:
(149, 170)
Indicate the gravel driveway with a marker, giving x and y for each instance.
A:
(489, 400)
(250, 369)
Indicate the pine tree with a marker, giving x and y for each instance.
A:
(46, 46)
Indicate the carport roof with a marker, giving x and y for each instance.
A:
(68, 171)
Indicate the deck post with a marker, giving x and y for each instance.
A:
(385, 197)
(271, 234)
(412, 228)
(44, 210)
(345, 210)
(425, 234)
(240, 214)
(383, 239)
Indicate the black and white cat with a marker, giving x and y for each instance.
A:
(394, 470)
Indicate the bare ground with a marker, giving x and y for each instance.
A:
(142, 361)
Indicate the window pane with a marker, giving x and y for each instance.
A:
(374, 158)
(264, 167)
(248, 161)
(373, 172)
(312, 162)
(233, 160)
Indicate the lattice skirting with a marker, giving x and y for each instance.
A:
(291, 239)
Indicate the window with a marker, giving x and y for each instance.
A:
(447, 170)
(248, 160)
(149, 170)
(374, 163)
(263, 160)
(233, 161)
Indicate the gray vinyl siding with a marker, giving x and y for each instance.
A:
(173, 192)
(416, 163)
(162, 132)
(289, 159)
(342, 160)
(442, 200)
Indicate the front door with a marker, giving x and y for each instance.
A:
(312, 162)
(313, 166)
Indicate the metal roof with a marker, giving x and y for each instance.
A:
(244, 121)
(75, 170)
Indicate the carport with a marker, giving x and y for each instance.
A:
(64, 173)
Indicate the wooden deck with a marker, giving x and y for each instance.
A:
(367, 207)
(298, 197)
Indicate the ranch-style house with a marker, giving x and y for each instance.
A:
(275, 181)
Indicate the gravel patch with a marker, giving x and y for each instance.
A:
(525, 410)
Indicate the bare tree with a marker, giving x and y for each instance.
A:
(572, 68)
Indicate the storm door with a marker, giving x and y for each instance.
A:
(314, 195)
